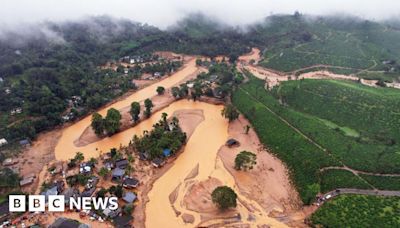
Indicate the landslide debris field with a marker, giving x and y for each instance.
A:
(312, 93)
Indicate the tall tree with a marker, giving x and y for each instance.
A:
(175, 91)
(112, 121)
(135, 111)
(97, 124)
(160, 90)
(230, 112)
(148, 104)
(224, 197)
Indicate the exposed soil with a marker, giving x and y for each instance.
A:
(268, 182)
(35, 157)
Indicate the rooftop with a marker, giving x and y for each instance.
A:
(131, 181)
(117, 172)
(129, 197)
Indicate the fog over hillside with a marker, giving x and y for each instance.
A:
(165, 13)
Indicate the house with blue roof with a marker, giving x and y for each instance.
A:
(167, 152)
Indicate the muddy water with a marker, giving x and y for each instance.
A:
(201, 149)
(66, 149)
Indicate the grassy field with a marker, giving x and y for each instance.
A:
(287, 117)
(359, 211)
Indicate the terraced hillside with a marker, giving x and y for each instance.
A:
(342, 45)
(331, 134)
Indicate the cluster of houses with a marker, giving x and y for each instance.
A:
(211, 83)
(118, 176)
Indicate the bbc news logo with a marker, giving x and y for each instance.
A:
(56, 203)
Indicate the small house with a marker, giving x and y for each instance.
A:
(3, 141)
(16, 111)
(92, 182)
(126, 71)
(27, 180)
(111, 213)
(157, 74)
(4, 211)
(117, 174)
(24, 142)
(121, 163)
(7, 91)
(88, 192)
(158, 162)
(129, 197)
(10, 162)
(123, 221)
(108, 165)
(85, 168)
(144, 156)
(167, 152)
(213, 78)
(130, 182)
(232, 142)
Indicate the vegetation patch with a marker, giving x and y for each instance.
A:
(334, 178)
(359, 211)
(383, 182)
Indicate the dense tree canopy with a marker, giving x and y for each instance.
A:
(148, 104)
(135, 111)
(98, 124)
(224, 197)
(245, 160)
(112, 121)
(230, 112)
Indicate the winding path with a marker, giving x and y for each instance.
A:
(356, 172)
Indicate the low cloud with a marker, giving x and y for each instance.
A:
(165, 13)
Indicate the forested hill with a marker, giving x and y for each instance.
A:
(43, 66)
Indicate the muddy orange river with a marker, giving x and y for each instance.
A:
(201, 149)
(66, 149)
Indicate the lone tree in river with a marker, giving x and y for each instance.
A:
(160, 90)
(230, 112)
(112, 121)
(97, 124)
(135, 111)
(224, 197)
(245, 160)
(148, 104)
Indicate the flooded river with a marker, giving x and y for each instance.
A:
(66, 149)
(201, 149)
